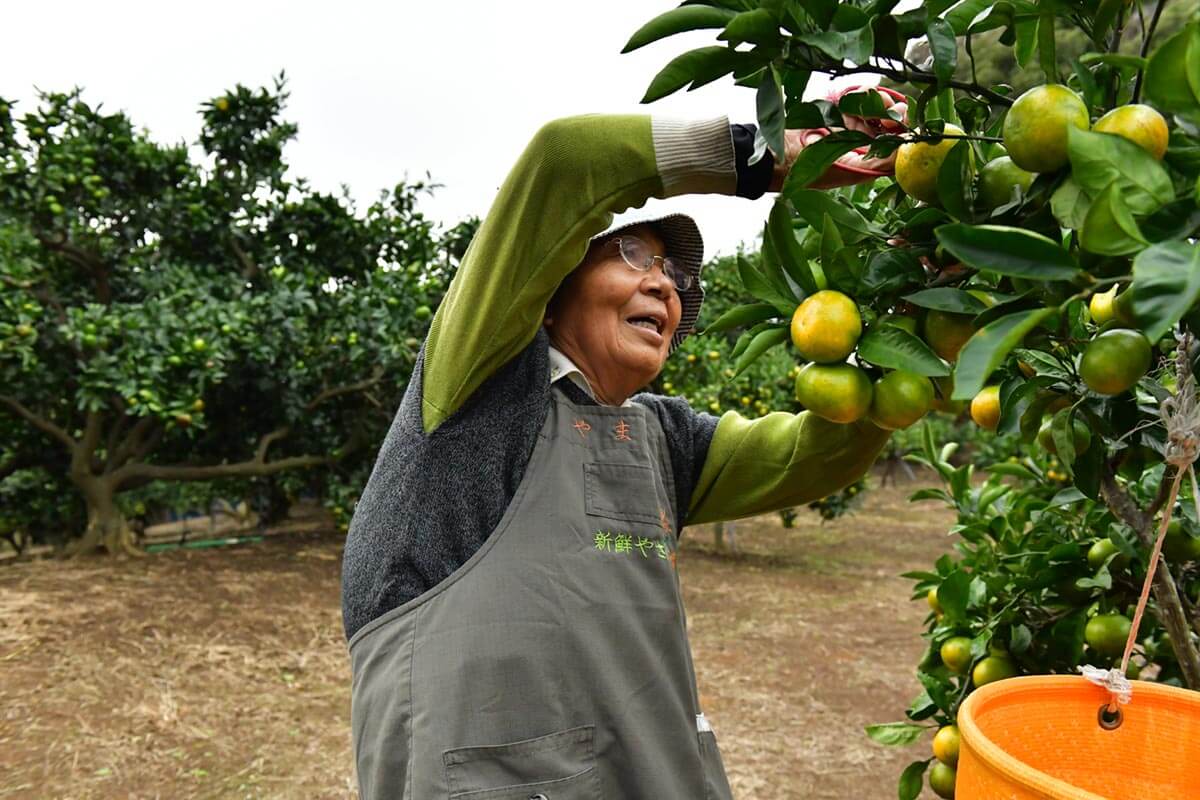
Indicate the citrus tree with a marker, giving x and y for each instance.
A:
(1034, 257)
(166, 317)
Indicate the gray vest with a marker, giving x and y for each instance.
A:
(553, 664)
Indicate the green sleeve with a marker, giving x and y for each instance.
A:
(778, 461)
(575, 174)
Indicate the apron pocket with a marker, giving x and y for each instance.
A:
(621, 492)
(559, 766)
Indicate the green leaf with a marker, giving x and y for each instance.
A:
(769, 105)
(1019, 639)
(922, 707)
(758, 26)
(696, 67)
(944, 47)
(1008, 251)
(1046, 56)
(678, 20)
(851, 38)
(739, 316)
(912, 779)
(1167, 278)
(1070, 204)
(895, 348)
(1114, 59)
(747, 337)
(757, 284)
(962, 14)
(956, 181)
(1093, 95)
(813, 205)
(759, 345)
(783, 239)
(953, 594)
(890, 270)
(895, 733)
(1099, 159)
(1103, 20)
(817, 157)
(1109, 228)
(946, 298)
(1173, 73)
(1026, 45)
(866, 104)
(1063, 433)
(772, 270)
(987, 348)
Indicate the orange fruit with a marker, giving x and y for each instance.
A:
(947, 332)
(945, 390)
(993, 668)
(1178, 546)
(1107, 633)
(826, 327)
(1100, 551)
(918, 164)
(941, 780)
(985, 408)
(1101, 305)
(1035, 129)
(1082, 435)
(899, 399)
(932, 599)
(956, 654)
(997, 180)
(1138, 123)
(945, 745)
(1113, 362)
(836, 392)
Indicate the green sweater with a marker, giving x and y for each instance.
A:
(465, 429)
(574, 175)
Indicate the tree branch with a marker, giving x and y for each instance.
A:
(908, 76)
(328, 394)
(249, 268)
(1149, 35)
(129, 444)
(1166, 595)
(83, 258)
(247, 469)
(260, 455)
(45, 426)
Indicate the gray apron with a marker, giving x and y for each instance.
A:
(554, 664)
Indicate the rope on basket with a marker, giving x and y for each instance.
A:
(1180, 415)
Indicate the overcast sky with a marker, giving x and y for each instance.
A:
(380, 90)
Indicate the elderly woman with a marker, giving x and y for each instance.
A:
(510, 592)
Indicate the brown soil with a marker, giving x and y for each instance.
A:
(222, 673)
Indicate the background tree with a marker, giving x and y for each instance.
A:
(169, 320)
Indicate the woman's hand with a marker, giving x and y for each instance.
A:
(855, 166)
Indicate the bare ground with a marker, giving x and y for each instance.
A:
(222, 673)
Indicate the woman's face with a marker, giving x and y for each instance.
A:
(613, 321)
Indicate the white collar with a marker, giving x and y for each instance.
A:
(563, 367)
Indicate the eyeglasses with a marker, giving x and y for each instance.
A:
(637, 254)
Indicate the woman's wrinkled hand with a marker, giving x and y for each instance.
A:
(855, 166)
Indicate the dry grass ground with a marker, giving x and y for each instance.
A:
(223, 674)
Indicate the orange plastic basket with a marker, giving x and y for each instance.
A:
(1039, 737)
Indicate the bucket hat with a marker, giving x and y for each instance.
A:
(682, 240)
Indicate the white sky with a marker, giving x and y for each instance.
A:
(380, 90)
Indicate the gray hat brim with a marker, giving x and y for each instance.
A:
(682, 240)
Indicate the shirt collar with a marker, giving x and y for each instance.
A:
(563, 367)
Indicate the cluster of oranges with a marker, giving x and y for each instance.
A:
(826, 328)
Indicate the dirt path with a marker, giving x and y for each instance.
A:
(222, 673)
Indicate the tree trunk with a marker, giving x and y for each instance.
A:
(106, 525)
